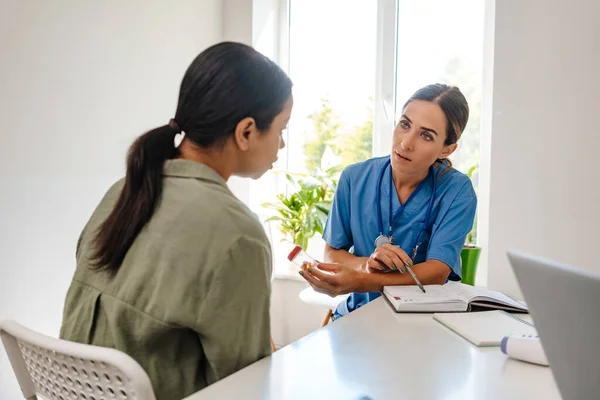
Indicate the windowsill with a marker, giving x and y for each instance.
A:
(289, 276)
(284, 269)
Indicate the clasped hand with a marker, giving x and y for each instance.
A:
(337, 279)
(388, 257)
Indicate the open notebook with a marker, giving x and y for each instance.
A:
(451, 297)
(485, 328)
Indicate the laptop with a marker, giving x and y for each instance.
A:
(564, 303)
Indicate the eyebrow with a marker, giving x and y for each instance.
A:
(425, 129)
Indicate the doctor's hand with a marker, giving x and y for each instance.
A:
(336, 279)
(386, 257)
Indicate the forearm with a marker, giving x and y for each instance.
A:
(339, 256)
(431, 272)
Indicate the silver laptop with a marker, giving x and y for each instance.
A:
(564, 303)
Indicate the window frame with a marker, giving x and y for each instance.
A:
(385, 66)
(384, 111)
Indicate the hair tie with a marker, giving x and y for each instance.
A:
(173, 124)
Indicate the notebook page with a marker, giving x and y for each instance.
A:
(469, 294)
(412, 294)
(412, 299)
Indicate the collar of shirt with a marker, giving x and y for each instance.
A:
(192, 169)
(421, 197)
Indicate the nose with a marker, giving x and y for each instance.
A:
(408, 141)
(281, 142)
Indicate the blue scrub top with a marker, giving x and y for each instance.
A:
(352, 222)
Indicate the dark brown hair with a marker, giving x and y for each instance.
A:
(224, 84)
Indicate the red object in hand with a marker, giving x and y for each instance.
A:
(300, 257)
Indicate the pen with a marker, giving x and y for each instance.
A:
(415, 278)
(407, 267)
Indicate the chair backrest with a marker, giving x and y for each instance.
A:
(62, 370)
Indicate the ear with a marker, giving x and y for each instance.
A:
(448, 150)
(244, 132)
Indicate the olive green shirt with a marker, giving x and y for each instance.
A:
(190, 302)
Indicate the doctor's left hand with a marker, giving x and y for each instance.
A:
(334, 279)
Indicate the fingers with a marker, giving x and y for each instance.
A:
(398, 252)
(328, 278)
(318, 285)
(329, 267)
(376, 264)
(372, 270)
(388, 258)
(385, 258)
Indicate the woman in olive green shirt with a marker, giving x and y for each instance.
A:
(172, 268)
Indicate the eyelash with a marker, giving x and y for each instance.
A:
(425, 135)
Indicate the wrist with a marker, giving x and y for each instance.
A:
(368, 282)
(361, 265)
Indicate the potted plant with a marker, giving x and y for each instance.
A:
(302, 213)
(470, 252)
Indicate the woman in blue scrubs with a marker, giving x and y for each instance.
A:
(408, 208)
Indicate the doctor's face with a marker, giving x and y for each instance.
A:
(419, 138)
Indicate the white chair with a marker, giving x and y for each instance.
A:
(61, 370)
(309, 296)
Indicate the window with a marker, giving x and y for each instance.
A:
(354, 63)
(332, 64)
(442, 41)
(438, 41)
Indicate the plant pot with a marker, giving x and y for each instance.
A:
(469, 257)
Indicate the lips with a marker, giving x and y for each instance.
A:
(402, 156)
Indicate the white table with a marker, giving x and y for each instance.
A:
(379, 354)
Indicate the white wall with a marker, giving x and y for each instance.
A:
(485, 150)
(255, 23)
(79, 81)
(545, 143)
(237, 27)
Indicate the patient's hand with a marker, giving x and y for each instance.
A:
(337, 279)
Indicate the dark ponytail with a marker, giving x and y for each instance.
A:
(223, 85)
(139, 197)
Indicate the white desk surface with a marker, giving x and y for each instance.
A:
(376, 354)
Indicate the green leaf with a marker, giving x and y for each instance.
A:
(291, 179)
(472, 170)
(303, 213)
(274, 219)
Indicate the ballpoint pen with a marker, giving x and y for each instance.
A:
(408, 267)
(410, 271)
(405, 268)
